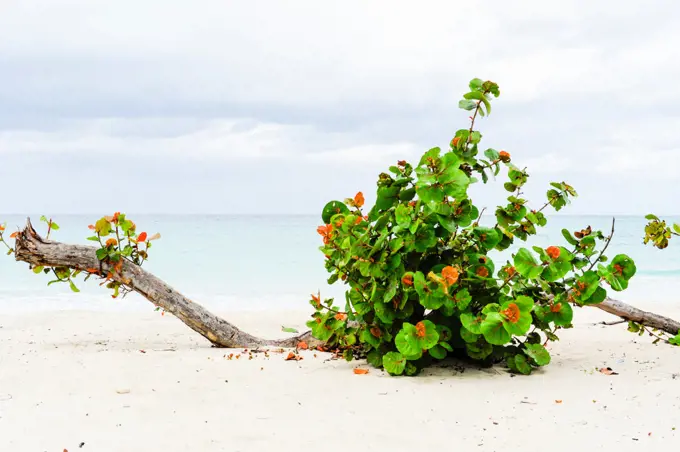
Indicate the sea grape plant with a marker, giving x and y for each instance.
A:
(421, 279)
(118, 241)
(658, 233)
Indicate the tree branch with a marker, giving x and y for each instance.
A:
(37, 251)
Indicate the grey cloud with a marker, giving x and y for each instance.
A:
(586, 86)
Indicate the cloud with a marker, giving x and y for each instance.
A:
(309, 101)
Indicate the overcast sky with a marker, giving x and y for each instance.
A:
(279, 106)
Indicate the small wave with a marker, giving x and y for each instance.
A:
(659, 272)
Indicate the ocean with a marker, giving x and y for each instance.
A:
(232, 263)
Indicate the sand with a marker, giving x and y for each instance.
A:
(125, 382)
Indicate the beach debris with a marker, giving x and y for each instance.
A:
(359, 371)
(287, 329)
(607, 371)
(123, 391)
(142, 351)
(81, 444)
(558, 401)
(293, 356)
(302, 345)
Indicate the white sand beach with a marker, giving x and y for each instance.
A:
(93, 381)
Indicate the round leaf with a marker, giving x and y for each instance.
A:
(333, 208)
(394, 363)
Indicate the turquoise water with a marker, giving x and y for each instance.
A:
(272, 262)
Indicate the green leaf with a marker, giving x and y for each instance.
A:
(374, 358)
(526, 265)
(522, 365)
(407, 194)
(467, 104)
(333, 208)
(468, 336)
(102, 253)
(492, 154)
(394, 363)
(437, 352)
(54, 226)
(102, 227)
(472, 322)
(37, 270)
(286, 329)
(493, 330)
(517, 324)
(462, 299)
(556, 270)
(598, 296)
(585, 286)
(538, 353)
(676, 228)
(403, 215)
(387, 197)
(564, 315)
(479, 352)
(489, 237)
(652, 217)
(73, 286)
(621, 270)
(407, 343)
(569, 238)
(476, 84)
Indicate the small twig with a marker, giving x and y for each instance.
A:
(611, 323)
(606, 245)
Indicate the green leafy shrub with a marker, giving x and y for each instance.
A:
(118, 241)
(421, 280)
(658, 233)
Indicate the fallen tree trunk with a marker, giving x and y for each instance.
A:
(631, 313)
(35, 250)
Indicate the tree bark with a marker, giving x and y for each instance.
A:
(37, 251)
(628, 312)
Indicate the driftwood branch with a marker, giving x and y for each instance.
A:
(631, 313)
(37, 251)
(32, 248)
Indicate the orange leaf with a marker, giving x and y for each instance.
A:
(553, 252)
(376, 332)
(2, 227)
(483, 272)
(92, 270)
(340, 316)
(111, 242)
(450, 274)
(512, 313)
(14, 235)
(358, 371)
(91, 227)
(142, 237)
(359, 199)
(156, 236)
(292, 356)
(504, 156)
(420, 329)
(302, 345)
(317, 299)
(407, 280)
